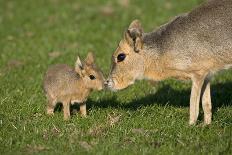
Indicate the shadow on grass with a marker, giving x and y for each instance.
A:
(220, 93)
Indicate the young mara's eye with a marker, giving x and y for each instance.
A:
(121, 57)
(92, 77)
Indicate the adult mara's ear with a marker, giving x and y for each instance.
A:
(133, 35)
(79, 66)
(90, 58)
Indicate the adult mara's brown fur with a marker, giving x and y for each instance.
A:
(191, 46)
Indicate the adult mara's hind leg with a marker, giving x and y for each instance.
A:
(206, 101)
(197, 82)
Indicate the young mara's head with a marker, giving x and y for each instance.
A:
(90, 73)
(127, 60)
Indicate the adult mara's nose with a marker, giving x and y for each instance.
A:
(106, 83)
(109, 83)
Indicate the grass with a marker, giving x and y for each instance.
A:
(146, 118)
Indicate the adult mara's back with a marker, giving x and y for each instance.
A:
(192, 46)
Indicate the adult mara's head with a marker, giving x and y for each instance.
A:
(127, 60)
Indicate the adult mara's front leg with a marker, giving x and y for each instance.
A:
(197, 83)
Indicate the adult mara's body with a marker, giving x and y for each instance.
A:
(192, 46)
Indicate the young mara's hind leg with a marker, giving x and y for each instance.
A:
(66, 106)
(197, 82)
(83, 109)
(206, 102)
(50, 106)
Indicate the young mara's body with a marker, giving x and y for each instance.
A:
(192, 46)
(70, 85)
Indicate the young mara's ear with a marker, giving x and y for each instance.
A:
(133, 35)
(78, 66)
(90, 58)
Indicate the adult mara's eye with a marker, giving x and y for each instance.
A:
(121, 57)
(92, 77)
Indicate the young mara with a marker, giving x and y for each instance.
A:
(69, 85)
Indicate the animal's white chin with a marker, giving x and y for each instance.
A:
(100, 89)
(132, 82)
(113, 89)
(112, 85)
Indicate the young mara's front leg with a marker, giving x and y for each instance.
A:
(206, 102)
(197, 82)
(50, 106)
(83, 109)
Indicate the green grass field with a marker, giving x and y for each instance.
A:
(146, 118)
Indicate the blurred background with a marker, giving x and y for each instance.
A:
(38, 33)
